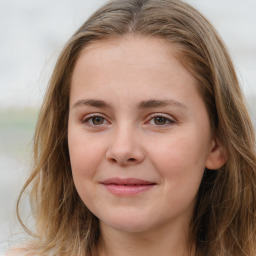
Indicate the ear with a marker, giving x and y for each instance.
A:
(217, 156)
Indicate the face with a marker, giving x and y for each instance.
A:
(138, 134)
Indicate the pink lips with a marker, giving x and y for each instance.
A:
(127, 187)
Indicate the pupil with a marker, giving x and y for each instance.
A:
(97, 120)
(160, 120)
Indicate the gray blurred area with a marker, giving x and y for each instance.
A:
(32, 34)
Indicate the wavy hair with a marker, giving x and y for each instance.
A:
(224, 219)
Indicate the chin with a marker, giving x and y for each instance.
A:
(128, 223)
(129, 227)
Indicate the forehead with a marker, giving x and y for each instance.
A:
(136, 41)
(131, 65)
(153, 54)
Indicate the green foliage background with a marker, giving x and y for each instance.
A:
(16, 131)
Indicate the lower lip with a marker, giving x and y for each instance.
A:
(126, 190)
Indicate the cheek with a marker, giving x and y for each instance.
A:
(85, 157)
(179, 151)
(85, 154)
(181, 159)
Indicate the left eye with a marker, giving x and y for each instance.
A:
(161, 120)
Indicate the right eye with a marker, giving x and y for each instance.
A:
(95, 120)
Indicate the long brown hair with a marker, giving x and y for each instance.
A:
(224, 218)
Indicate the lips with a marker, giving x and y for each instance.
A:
(127, 181)
(128, 186)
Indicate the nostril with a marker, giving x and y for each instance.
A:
(113, 160)
(131, 159)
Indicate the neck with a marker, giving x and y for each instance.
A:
(159, 242)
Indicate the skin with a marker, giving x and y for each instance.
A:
(129, 140)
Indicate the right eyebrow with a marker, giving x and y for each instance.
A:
(91, 102)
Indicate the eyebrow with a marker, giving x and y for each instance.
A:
(92, 103)
(161, 103)
(152, 103)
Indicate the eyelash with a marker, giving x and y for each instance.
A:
(167, 120)
(89, 119)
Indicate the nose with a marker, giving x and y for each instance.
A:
(125, 148)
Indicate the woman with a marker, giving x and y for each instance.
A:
(144, 145)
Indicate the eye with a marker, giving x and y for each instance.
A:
(95, 120)
(160, 120)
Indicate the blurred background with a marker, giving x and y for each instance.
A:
(32, 33)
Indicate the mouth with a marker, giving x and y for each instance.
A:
(128, 186)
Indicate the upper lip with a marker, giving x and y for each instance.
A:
(126, 181)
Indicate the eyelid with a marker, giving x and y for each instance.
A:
(87, 117)
(170, 118)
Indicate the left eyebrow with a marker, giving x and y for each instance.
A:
(154, 103)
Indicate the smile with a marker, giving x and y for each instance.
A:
(127, 187)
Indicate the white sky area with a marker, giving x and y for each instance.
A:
(32, 33)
